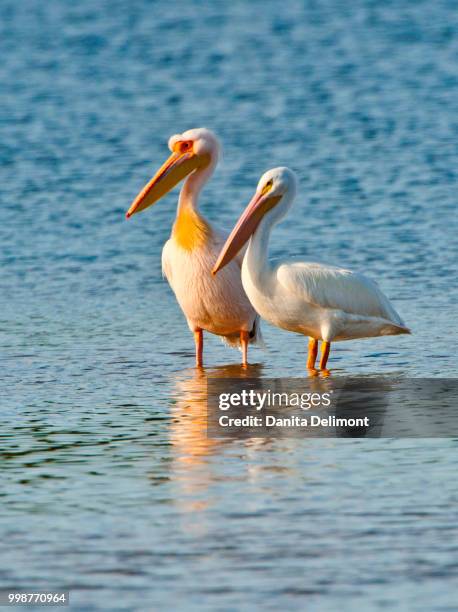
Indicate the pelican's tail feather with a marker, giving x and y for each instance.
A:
(391, 329)
(255, 336)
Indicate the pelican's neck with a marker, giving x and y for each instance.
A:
(190, 229)
(256, 260)
(257, 255)
(189, 194)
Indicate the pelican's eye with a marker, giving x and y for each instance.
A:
(185, 145)
(267, 187)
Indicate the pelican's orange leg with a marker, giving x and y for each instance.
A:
(313, 351)
(244, 339)
(325, 348)
(199, 340)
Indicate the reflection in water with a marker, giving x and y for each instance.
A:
(191, 468)
(188, 431)
(194, 467)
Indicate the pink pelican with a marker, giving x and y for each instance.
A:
(221, 307)
(322, 302)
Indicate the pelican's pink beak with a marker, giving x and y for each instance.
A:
(245, 227)
(181, 163)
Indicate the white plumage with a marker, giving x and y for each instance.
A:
(351, 305)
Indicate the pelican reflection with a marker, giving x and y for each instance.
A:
(188, 432)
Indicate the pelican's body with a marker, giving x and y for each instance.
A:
(319, 301)
(220, 308)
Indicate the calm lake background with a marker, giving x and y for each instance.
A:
(109, 486)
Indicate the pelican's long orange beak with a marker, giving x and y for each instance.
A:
(175, 169)
(245, 227)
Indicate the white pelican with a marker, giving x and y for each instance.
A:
(220, 308)
(322, 302)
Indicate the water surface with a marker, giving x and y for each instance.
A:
(110, 487)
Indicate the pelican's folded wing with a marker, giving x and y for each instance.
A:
(337, 289)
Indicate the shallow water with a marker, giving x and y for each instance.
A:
(110, 487)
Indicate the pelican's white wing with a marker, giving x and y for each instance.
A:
(337, 289)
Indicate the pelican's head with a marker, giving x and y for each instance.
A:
(192, 150)
(273, 198)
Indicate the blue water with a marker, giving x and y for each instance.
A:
(109, 486)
